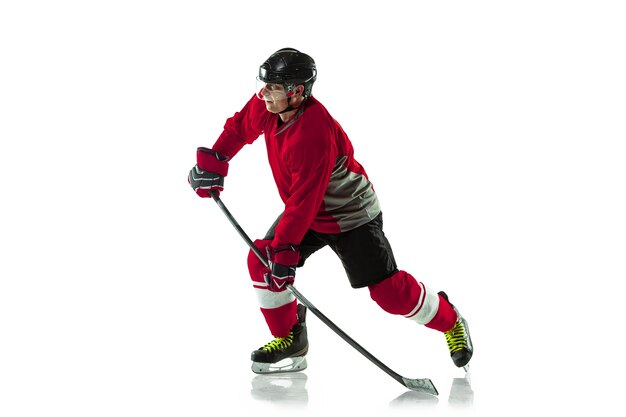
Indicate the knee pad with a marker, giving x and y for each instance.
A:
(278, 308)
(396, 294)
(402, 294)
(267, 299)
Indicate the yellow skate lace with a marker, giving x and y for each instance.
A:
(455, 337)
(279, 343)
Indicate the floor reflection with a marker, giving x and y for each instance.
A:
(288, 388)
(461, 395)
(413, 398)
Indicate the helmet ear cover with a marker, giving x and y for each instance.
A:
(291, 88)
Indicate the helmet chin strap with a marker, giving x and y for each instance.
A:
(289, 107)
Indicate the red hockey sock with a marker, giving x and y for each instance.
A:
(445, 318)
(280, 320)
(402, 294)
(397, 294)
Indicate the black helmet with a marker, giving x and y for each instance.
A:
(291, 67)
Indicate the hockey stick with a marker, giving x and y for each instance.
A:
(422, 384)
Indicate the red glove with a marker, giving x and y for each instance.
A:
(209, 172)
(282, 264)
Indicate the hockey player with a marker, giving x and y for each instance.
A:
(329, 200)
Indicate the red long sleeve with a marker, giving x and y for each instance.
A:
(243, 128)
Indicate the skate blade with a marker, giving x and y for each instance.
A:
(295, 364)
(466, 368)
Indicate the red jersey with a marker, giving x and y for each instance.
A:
(312, 160)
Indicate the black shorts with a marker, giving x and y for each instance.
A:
(364, 252)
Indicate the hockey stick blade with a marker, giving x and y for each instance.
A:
(422, 385)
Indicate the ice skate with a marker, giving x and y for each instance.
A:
(284, 354)
(459, 340)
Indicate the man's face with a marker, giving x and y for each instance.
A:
(275, 97)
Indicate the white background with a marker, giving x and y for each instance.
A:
(493, 132)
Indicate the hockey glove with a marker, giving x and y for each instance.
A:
(209, 172)
(282, 263)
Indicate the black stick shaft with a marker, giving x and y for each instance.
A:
(242, 233)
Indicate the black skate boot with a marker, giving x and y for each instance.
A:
(284, 354)
(459, 340)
